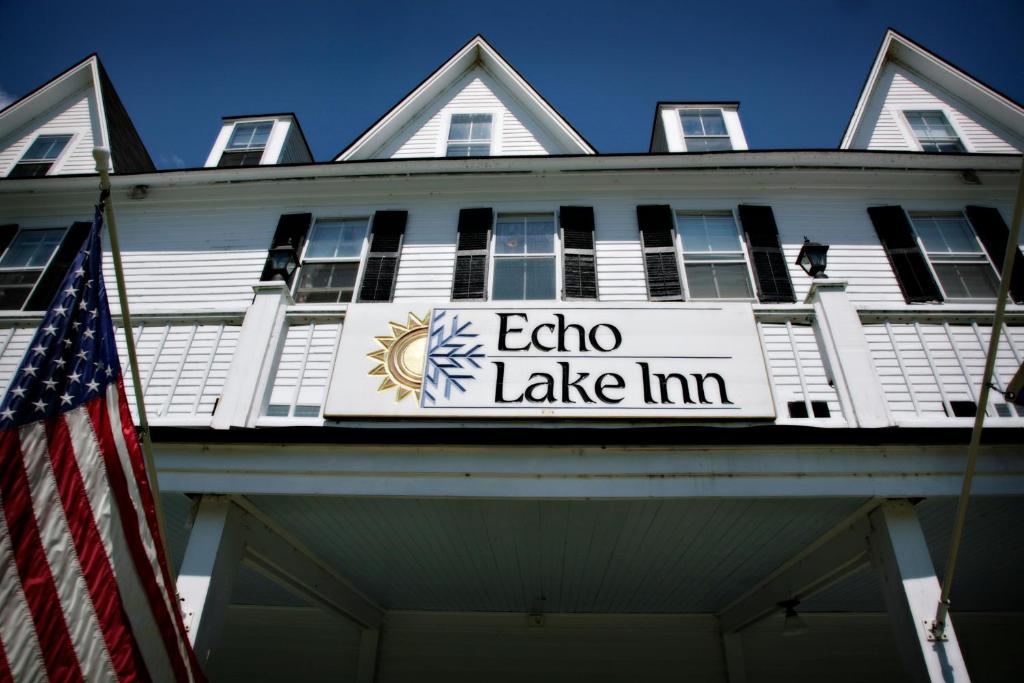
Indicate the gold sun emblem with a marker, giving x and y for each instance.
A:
(400, 358)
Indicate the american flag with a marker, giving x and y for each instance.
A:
(85, 592)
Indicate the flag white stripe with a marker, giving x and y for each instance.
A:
(58, 545)
(108, 523)
(19, 639)
(113, 408)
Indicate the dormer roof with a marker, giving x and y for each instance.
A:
(86, 86)
(476, 53)
(997, 111)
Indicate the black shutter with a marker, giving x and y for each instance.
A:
(993, 233)
(579, 277)
(660, 264)
(905, 256)
(49, 281)
(7, 235)
(470, 282)
(769, 261)
(382, 261)
(292, 229)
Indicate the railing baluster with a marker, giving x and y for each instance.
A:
(903, 368)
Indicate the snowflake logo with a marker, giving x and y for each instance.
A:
(452, 355)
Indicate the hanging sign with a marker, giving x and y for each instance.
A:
(699, 361)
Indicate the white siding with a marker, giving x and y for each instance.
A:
(294, 151)
(796, 368)
(75, 115)
(14, 342)
(427, 265)
(304, 368)
(901, 89)
(477, 91)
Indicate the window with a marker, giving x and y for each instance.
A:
(331, 260)
(933, 131)
(704, 130)
(960, 264)
(713, 260)
(40, 156)
(469, 135)
(524, 258)
(23, 262)
(245, 147)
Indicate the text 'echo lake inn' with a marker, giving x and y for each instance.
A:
(473, 401)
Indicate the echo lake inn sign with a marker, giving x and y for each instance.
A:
(695, 361)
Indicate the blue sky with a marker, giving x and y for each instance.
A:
(796, 67)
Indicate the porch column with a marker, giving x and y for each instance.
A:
(259, 346)
(844, 348)
(366, 669)
(208, 571)
(900, 554)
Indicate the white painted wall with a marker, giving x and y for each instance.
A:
(515, 131)
(900, 89)
(75, 115)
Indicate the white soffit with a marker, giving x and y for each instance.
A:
(476, 51)
(898, 48)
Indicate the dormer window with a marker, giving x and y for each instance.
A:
(704, 130)
(469, 135)
(245, 147)
(40, 156)
(933, 132)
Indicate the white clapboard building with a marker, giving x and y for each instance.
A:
(473, 401)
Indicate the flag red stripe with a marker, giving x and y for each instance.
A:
(98, 414)
(92, 556)
(37, 582)
(5, 668)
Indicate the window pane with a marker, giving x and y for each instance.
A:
(15, 287)
(30, 170)
(718, 281)
(326, 282)
(260, 135)
(46, 147)
(509, 279)
(540, 278)
(479, 150)
(249, 135)
(691, 123)
(967, 280)
(714, 124)
(701, 282)
(32, 248)
(510, 236)
(335, 238)
(540, 236)
(460, 127)
(708, 144)
(946, 234)
(481, 129)
(709, 234)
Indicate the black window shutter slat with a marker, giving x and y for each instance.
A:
(908, 263)
(7, 234)
(769, 260)
(994, 233)
(49, 281)
(660, 263)
(470, 280)
(579, 275)
(292, 229)
(382, 261)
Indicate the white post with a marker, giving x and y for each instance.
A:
(207, 575)
(845, 351)
(900, 554)
(259, 346)
(366, 670)
(732, 647)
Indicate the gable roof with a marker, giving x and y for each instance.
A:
(116, 130)
(897, 47)
(476, 51)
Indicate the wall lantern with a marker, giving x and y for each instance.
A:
(813, 258)
(793, 624)
(282, 262)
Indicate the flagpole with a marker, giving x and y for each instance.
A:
(102, 157)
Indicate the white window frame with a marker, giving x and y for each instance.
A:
(446, 126)
(725, 122)
(952, 258)
(493, 256)
(234, 126)
(900, 114)
(681, 254)
(8, 269)
(360, 261)
(57, 165)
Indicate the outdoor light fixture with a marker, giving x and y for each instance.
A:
(793, 624)
(813, 258)
(138, 192)
(282, 262)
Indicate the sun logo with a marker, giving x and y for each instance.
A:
(400, 358)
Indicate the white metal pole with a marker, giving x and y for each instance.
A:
(102, 157)
(939, 625)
